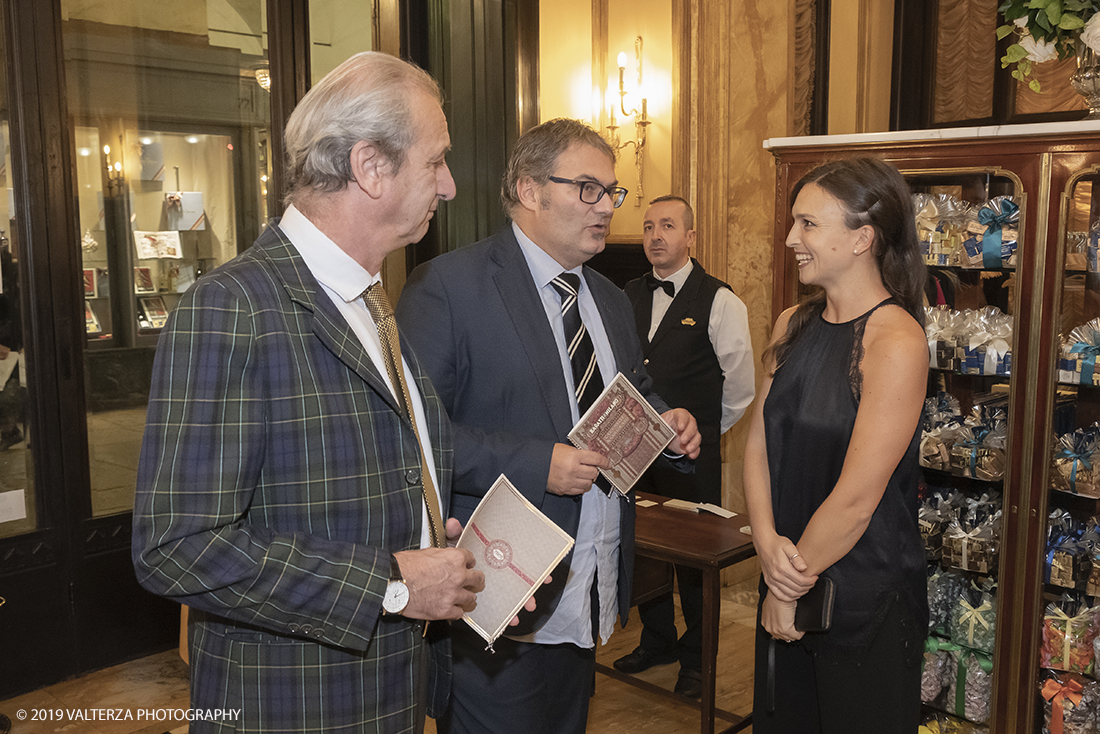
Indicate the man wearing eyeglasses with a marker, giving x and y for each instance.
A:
(496, 326)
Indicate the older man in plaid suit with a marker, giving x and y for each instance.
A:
(283, 491)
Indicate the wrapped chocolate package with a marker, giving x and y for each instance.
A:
(989, 339)
(932, 668)
(941, 328)
(935, 447)
(937, 722)
(943, 409)
(926, 216)
(973, 621)
(1069, 630)
(944, 589)
(932, 519)
(969, 678)
(1074, 466)
(1068, 555)
(1077, 355)
(995, 245)
(939, 220)
(1069, 703)
(978, 451)
(1091, 539)
(1068, 563)
(972, 547)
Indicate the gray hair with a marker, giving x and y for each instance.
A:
(365, 98)
(537, 152)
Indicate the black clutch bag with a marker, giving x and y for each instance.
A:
(814, 611)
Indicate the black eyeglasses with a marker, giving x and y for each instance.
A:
(592, 192)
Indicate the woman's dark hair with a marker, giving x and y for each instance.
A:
(874, 193)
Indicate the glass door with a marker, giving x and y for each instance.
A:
(969, 227)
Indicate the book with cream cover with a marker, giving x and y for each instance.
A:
(516, 547)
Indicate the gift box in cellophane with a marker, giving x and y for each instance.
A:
(989, 339)
(973, 549)
(1067, 558)
(944, 330)
(1069, 703)
(944, 589)
(935, 447)
(931, 530)
(978, 452)
(1075, 466)
(973, 621)
(939, 220)
(991, 235)
(968, 675)
(1068, 568)
(1077, 355)
(1069, 629)
(938, 722)
(932, 668)
(1092, 585)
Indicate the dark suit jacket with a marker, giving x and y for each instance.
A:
(276, 477)
(476, 319)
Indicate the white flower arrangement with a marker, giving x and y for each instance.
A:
(1048, 30)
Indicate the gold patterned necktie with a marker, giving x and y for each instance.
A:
(382, 312)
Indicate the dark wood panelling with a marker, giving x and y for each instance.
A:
(288, 45)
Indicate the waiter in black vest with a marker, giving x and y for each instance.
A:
(695, 337)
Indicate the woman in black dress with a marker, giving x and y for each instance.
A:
(831, 467)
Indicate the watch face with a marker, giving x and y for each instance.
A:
(397, 596)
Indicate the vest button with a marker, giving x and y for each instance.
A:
(412, 476)
(646, 362)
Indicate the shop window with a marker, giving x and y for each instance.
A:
(17, 493)
(338, 29)
(170, 116)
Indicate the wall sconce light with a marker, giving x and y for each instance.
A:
(641, 119)
(115, 179)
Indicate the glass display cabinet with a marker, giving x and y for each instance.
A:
(1010, 448)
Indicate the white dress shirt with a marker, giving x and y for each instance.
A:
(344, 280)
(597, 541)
(728, 329)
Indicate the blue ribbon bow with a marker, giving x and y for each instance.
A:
(1088, 366)
(994, 223)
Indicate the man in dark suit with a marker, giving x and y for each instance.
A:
(695, 338)
(491, 323)
(293, 463)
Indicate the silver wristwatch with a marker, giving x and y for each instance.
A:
(397, 593)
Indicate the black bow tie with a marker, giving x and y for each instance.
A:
(666, 285)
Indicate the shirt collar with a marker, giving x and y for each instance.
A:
(679, 277)
(543, 267)
(330, 265)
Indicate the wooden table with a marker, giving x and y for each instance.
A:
(707, 542)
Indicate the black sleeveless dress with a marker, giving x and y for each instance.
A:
(809, 415)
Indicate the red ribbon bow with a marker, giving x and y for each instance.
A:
(1056, 693)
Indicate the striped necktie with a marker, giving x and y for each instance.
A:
(382, 313)
(587, 383)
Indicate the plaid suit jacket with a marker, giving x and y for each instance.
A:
(276, 477)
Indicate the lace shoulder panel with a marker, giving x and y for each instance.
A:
(855, 368)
